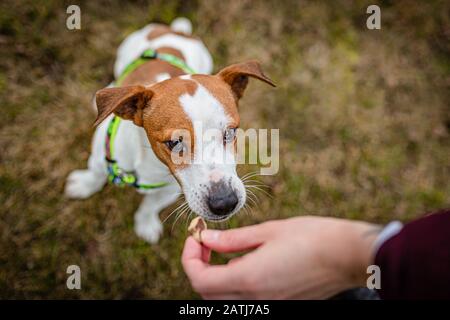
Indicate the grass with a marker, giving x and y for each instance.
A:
(364, 123)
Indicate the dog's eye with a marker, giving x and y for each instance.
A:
(229, 135)
(175, 145)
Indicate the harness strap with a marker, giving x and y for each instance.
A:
(116, 174)
(150, 54)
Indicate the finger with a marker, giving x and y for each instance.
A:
(235, 239)
(193, 249)
(206, 278)
(212, 279)
(206, 254)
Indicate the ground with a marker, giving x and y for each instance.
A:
(363, 116)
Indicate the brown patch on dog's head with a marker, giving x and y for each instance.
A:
(157, 109)
(166, 115)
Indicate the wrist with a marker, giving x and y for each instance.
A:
(348, 253)
(362, 238)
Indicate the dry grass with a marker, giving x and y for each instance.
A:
(363, 115)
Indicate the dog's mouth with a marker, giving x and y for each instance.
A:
(216, 219)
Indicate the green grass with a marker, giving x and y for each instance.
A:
(363, 117)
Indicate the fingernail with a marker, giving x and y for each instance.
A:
(210, 235)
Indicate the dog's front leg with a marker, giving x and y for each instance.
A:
(147, 224)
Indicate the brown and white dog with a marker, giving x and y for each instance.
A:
(158, 99)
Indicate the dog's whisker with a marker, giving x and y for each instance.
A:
(249, 210)
(255, 186)
(250, 175)
(260, 190)
(179, 216)
(255, 181)
(176, 220)
(246, 181)
(181, 206)
(250, 192)
(258, 185)
(245, 209)
(250, 179)
(253, 200)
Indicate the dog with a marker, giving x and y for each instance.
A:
(153, 97)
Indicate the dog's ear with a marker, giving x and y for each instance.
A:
(126, 102)
(237, 75)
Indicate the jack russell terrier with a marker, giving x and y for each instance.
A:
(155, 94)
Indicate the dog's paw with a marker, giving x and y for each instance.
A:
(150, 231)
(81, 184)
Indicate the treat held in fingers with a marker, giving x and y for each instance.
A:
(196, 227)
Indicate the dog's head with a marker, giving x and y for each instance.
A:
(191, 123)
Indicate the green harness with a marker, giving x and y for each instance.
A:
(116, 174)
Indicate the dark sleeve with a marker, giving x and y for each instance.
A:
(415, 263)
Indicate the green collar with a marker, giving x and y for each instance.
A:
(150, 54)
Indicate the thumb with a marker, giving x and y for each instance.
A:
(235, 239)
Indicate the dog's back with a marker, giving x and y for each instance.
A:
(176, 38)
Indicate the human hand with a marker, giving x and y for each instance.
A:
(297, 258)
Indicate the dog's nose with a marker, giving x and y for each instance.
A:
(222, 204)
(222, 199)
